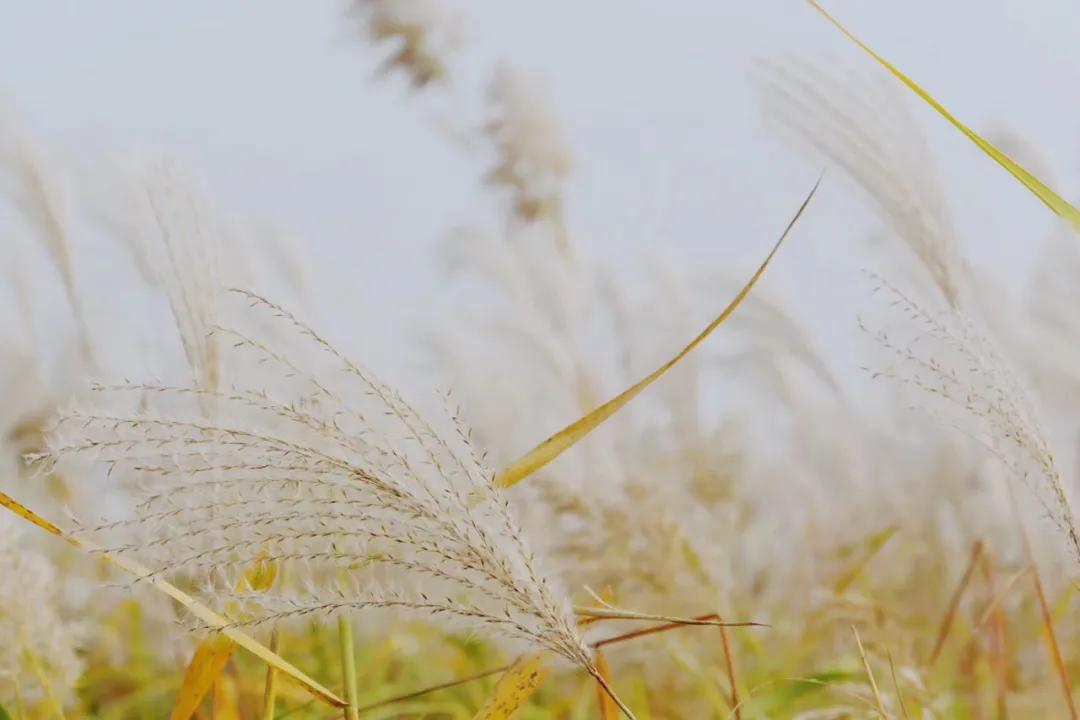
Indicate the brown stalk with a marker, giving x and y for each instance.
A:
(503, 668)
(729, 664)
(1044, 608)
(954, 602)
(999, 651)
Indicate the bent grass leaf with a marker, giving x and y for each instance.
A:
(213, 653)
(566, 438)
(194, 606)
(1042, 191)
(513, 688)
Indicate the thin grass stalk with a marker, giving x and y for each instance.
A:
(608, 711)
(954, 602)
(612, 694)
(870, 675)
(435, 688)
(729, 664)
(896, 687)
(999, 644)
(348, 667)
(270, 688)
(1044, 608)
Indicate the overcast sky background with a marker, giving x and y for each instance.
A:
(274, 106)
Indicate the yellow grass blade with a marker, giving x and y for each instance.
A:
(213, 653)
(198, 609)
(206, 664)
(226, 699)
(1052, 200)
(513, 689)
(566, 438)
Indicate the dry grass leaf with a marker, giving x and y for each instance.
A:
(566, 438)
(199, 610)
(513, 688)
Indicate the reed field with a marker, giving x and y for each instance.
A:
(234, 518)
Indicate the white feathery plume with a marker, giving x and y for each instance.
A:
(330, 476)
(943, 354)
(38, 659)
(861, 123)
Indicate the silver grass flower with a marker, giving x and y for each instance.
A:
(328, 477)
(864, 126)
(533, 157)
(38, 660)
(944, 355)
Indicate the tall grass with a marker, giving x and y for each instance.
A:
(760, 534)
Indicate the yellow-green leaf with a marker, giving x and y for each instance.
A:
(1052, 200)
(194, 606)
(566, 438)
(513, 689)
(206, 664)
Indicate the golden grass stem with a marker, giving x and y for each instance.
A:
(954, 602)
(710, 619)
(994, 604)
(870, 675)
(729, 665)
(612, 694)
(1044, 606)
(348, 667)
(270, 688)
(999, 643)
(608, 709)
(896, 687)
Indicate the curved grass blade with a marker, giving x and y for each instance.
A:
(1042, 191)
(566, 438)
(194, 606)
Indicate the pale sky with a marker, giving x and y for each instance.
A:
(275, 107)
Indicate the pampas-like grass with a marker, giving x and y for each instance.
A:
(945, 356)
(859, 122)
(331, 477)
(38, 656)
